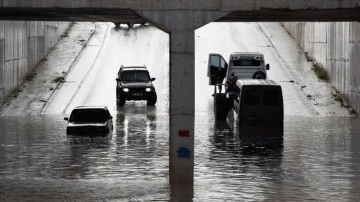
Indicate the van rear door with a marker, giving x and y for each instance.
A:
(215, 61)
(250, 105)
(262, 105)
(272, 106)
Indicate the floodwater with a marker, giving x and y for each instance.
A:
(316, 159)
(313, 157)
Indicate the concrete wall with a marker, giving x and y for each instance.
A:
(22, 46)
(336, 47)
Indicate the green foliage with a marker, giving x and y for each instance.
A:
(341, 98)
(344, 102)
(58, 79)
(30, 76)
(320, 72)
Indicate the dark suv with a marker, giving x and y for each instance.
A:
(134, 83)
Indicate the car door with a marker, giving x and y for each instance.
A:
(215, 61)
(272, 105)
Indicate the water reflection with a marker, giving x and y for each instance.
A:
(242, 165)
(136, 125)
(225, 138)
(28, 144)
(313, 159)
(138, 128)
(249, 140)
(87, 154)
(254, 138)
(180, 190)
(235, 138)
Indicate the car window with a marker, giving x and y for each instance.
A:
(246, 62)
(271, 97)
(135, 76)
(89, 116)
(252, 97)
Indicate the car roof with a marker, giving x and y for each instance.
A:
(91, 107)
(247, 53)
(123, 68)
(256, 82)
(237, 55)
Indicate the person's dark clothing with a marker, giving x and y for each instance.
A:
(219, 77)
(231, 84)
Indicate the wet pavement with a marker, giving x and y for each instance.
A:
(315, 158)
(40, 85)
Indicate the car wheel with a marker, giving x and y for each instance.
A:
(117, 24)
(152, 100)
(130, 24)
(259, 75)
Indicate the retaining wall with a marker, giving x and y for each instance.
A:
(336, 47)
(23, 44)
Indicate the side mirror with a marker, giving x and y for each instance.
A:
(117, 79)
(66, 118)
(152, 79)
(267, 66)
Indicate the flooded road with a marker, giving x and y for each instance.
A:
(316, 158)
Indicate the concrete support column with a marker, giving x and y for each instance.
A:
(181, 25)
(182, 103)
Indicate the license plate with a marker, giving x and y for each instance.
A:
(137, 94)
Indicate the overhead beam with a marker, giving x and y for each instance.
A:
(69, 14)
(126, 10)
(278, 15)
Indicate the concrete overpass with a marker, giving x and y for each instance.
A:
(197, 13)
(180, 18)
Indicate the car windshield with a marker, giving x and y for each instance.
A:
(246, 62)
(135, 76)
(89, 116)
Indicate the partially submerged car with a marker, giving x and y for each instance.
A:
(135, 83)
(89, 120)
(258, 102)
(129, 24)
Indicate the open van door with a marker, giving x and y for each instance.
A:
(215, 61)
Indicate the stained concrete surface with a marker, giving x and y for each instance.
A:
(23, 44)
(32, 95)
(318, 93)
(334, 46)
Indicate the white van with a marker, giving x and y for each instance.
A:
(244, 65)
(258, 102)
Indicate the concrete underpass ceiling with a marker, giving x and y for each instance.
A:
(318, 15)
(128, 15)
(63, 14)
